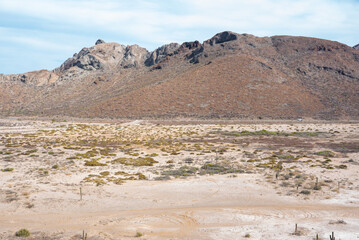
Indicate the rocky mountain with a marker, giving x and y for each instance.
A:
(356, 47)
(230, 75)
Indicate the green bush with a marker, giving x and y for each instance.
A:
(23, 233)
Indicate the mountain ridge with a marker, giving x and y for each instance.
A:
(230, 75)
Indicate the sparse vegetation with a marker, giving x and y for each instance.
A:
(100, 154)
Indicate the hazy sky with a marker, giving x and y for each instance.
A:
(41, 34)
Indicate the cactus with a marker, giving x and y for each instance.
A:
(84, 235)
(332, 236)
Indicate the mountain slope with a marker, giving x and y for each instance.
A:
(229, 75)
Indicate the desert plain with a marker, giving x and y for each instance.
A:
(147, 179)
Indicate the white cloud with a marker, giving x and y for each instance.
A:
(145, 19)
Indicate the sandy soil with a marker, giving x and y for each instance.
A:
(208, 181)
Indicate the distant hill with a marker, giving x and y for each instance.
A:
(228, 76)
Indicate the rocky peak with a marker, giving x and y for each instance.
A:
(106, 56)
(356, 47)
(99, 41)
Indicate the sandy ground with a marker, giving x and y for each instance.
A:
(259, 194)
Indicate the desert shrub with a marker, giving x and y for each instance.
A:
(122, 173)
(106, 152)
(268, 133)
(183, 171)
(105, 173)
(210, 168)
(147, 161)
(23, 233)
(95, 179)
(342, 166)
(305, 134)
(305, 192)
(94, 163)
(141, 176)
(286, 157)
(326, 153)
(246, 133)
(162, 178)
(7, 170)
(88, 154)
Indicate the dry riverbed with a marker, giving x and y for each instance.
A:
(146, 180)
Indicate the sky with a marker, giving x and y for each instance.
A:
(42, 34)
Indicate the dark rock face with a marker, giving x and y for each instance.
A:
(189, 45)
(99, 41)
(83, 60)
(88, 62)
(23, 78)
(222, 37)
(356, 47)
(161, 53)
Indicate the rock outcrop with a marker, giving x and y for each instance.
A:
(356, 47)
(35, 78)
(106, 56)
(161, 53)
(222, 37)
